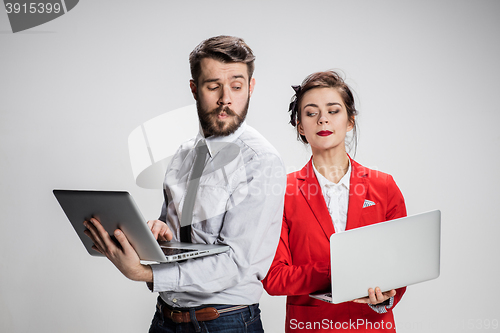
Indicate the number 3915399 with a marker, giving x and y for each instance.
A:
(32, 8)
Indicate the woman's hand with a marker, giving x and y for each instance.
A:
(376, 296)
(160, 230)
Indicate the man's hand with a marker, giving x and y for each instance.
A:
(160, 230)
(376, 296)
(123, 256)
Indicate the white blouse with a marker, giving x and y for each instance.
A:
(336, 197)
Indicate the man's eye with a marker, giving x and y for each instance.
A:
(213, 87)
(236, 87)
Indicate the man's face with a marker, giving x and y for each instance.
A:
(222, 95)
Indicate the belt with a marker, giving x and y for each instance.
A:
(203, 314)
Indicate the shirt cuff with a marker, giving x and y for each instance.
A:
(165, 277)
(382, 307)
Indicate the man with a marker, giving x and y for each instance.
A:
(238, 202)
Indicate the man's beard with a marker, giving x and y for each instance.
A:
(212, 126)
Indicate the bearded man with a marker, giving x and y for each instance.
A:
(237, 201)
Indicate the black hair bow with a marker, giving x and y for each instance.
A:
(293, 108)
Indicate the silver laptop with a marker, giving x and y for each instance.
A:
(388, 255)
(117, 210)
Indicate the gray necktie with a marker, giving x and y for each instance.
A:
(190, 198)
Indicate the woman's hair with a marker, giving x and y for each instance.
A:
(328, 79)
(226, 49)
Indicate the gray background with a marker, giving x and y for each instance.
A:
(425, 75)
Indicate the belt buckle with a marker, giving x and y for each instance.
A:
(172, 316)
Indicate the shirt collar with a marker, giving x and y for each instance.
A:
(323, 181)
(215, 144)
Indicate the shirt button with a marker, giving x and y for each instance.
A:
(174, 300)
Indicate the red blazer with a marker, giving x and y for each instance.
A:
(302, 262)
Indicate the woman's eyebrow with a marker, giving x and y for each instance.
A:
(310, 104)
(327, 104)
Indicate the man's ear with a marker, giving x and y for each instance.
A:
(251, 87)
(194, 89)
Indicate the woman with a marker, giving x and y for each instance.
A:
(330, 194)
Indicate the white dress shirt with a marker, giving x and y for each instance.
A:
(239, 203)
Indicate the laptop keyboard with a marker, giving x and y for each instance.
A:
(174, 251)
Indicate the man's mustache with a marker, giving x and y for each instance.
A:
(221, 109)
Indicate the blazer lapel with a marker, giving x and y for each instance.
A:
(357, 194)
(310, 189)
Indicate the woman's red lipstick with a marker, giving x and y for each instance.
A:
(324, 133)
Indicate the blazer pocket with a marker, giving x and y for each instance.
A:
(371, 215)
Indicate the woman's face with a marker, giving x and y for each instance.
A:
(324, 121)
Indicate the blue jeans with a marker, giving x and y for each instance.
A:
(245, 320)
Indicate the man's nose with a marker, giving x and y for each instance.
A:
(225, 96)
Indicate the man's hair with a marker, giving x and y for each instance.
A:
(226, 49)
